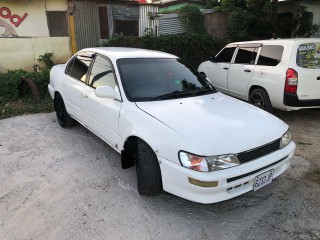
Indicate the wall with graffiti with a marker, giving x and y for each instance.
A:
(26, 18)
(14, 20)
(24, 33)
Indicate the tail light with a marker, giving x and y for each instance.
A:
(291, 81)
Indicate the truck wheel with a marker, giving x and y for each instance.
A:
(149, 181)
(260, 98)
(63, 117)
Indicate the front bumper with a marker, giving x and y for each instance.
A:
(232, 182)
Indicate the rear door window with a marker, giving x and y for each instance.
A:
(308, 55)
(78, 66)
(270, 55)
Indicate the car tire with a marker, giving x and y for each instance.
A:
(260, 98)
(63, 117)
(149, 180)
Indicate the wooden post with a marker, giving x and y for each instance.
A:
(72, 31)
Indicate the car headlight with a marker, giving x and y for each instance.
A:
(286, 139)
(222, 162)
(208, 164)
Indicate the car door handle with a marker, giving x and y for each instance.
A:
(84, 96)
(247, 70)
(318, 78)
(225, 68)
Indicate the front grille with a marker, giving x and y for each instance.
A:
(259, 151)
(253, 172)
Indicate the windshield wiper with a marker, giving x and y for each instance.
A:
(203, 89)
(170, 95)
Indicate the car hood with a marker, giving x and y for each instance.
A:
(216, 123)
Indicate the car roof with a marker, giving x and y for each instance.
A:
(281, 41)
(115, 53)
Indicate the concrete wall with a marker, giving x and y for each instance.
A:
(216, 24)
(24, 33)
(22, 53)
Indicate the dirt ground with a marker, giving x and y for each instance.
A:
(68, 184)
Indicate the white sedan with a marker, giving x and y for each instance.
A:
(164, 117)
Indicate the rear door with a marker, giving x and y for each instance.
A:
(76, 72)
(241, 70)
(307, 60)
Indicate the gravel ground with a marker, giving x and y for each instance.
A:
(68, 184)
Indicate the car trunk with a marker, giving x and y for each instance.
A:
(308, 62)
(309, 84)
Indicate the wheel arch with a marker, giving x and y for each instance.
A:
(129, 151)
(56, 93)
(203, 73)
(253, 87)
(269, 106)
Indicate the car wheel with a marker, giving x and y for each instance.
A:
(63, 117)
(260, 98)
(149, 181)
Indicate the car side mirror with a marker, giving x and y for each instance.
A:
(106, 92)
(213, 59)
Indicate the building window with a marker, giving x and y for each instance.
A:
(126, 28)
(57, 23)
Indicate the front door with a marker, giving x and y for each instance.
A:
(241, 70)
(219, 69)
(102, 113)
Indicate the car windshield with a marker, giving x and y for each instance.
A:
(153, 79)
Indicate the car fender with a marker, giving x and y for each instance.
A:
(204, 67)
(165, 141)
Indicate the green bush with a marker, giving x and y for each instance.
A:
(194, 48)
(244, 26)
(10, 82)
(192, 19)
(47, 60)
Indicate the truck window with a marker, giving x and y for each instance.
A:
(308, 55)
(270, 55)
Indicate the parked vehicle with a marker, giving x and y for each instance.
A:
(282, 74)
(169, 121)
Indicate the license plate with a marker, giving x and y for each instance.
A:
(263, 180)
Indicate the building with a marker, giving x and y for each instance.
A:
(288, 9)
(30, 28)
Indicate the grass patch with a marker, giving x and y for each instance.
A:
(25, 106)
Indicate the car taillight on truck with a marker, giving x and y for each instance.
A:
(291, 81)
